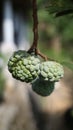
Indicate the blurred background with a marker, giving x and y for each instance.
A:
(20, 107)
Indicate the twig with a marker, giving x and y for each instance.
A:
(35, 26)
(43, 56)
(33, 48)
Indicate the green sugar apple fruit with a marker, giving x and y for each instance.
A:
(51, 70)
(42, 87)
(23, 66)
(29, 68)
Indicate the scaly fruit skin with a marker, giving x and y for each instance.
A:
(23, 66)
(51, 71)
(17, 55)
(43, 87)
(29, 68)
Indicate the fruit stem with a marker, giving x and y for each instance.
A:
(33, 48)
(42, 55)
(35, 26)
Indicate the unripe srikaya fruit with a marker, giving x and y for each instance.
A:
(42, 75)
(42, 87)
(50, 72)
(23, 66)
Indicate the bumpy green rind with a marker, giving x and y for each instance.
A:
(23, 66)
(17, 55)
(51, 71)
(29, 68)
(42, 87)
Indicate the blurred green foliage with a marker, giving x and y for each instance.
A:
(55, 6)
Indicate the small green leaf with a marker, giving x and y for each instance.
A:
(59, 7)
